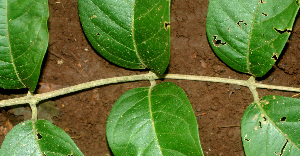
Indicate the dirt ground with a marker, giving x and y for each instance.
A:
(71, 60)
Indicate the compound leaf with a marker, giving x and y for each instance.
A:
(153, 121)
(23, 42)
(133, 33)
(38, 138)
(249, 35)
(273, 127)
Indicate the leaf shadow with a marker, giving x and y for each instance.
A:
(13, 92)
(109, 62)
(275, 66)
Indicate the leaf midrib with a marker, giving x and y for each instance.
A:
(271, 122)
(133, 38)
(151, 117)
(9, 45)
(34, 130)
(249, 40)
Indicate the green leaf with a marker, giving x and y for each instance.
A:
(133, 33)
(38, 138)
(23, 42)
(273, 127)
(153, 121)
(249, 35)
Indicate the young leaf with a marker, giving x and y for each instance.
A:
(23, 42)
(38, 138)
(153, 121)
(249, 35)
(273, 128)
(133, 34)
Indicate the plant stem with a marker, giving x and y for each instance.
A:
(34, 111)
(229, 81)
(149, 77)
(79, 87)
(252, 88)
(33, 102)
(206, 78)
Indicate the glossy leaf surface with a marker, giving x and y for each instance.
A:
(23, 42)
(130, 33)
(38, 138)
(153, 121)
(249, 35)
(273, 128)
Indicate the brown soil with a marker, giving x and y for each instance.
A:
(219, 108)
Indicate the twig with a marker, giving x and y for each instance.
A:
(142, 77)
(229, 126)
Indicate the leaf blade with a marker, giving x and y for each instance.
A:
(159, 121)
(274, 127)
(244, 34)
(38, 138)
(23, 42)
(128, 33)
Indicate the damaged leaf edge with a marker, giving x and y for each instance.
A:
(262, 112)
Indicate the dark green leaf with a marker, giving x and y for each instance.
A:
(23, 42)
(38, 138)
(273, 127)
(131, 34)
(153, 121)
(249, 35)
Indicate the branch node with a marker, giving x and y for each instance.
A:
(252, 88)
(152, 78)
(33, 101)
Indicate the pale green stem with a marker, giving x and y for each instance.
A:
(205, 78)
(33, 111)
(79, 87)
(149, 77)
(33, 102)
(152, 81)
(230, 81)
(252, 88)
